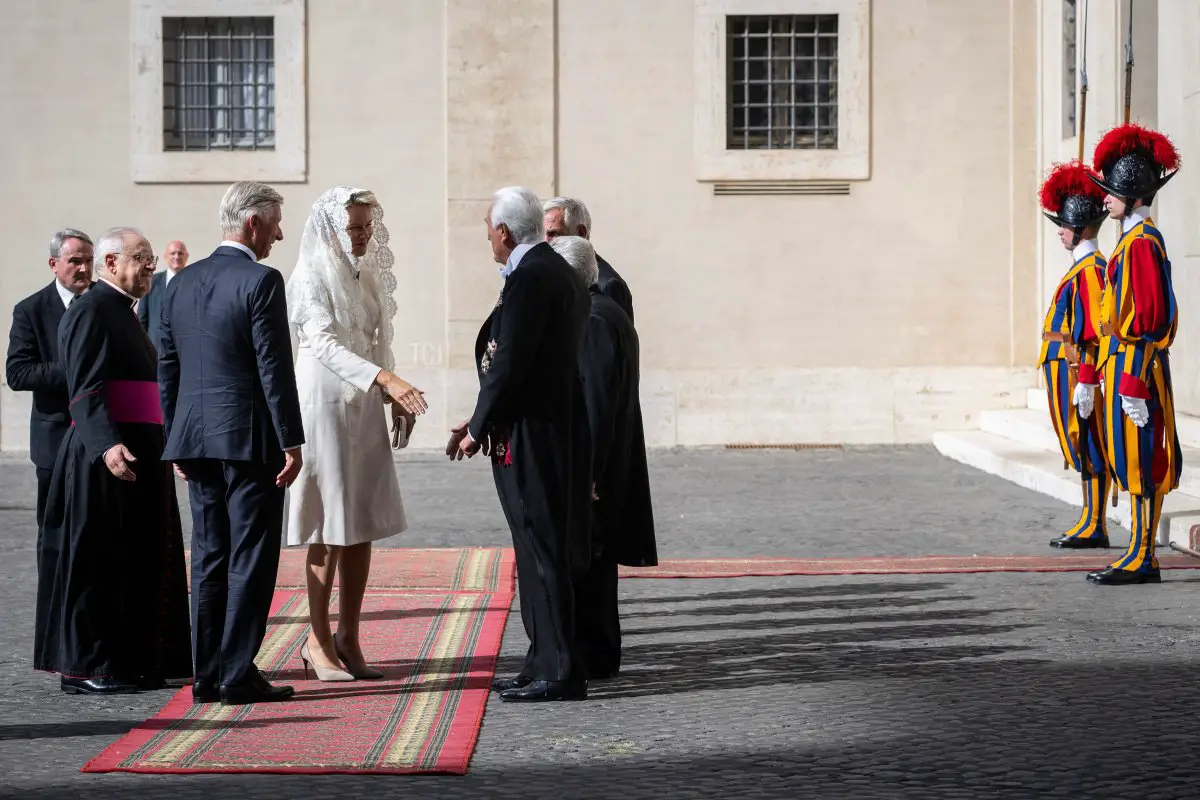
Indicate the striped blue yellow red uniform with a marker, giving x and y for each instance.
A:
(1070, 353)
(1138, 324)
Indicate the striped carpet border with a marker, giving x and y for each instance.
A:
(429, 719)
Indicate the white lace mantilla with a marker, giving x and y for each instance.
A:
(324, 289)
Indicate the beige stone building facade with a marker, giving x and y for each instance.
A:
(826, 209)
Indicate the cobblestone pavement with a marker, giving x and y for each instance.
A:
(920, 686)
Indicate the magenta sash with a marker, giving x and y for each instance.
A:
(133, 401)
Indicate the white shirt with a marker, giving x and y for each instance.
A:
(239, 246)
(1084, 248)
(167, 280)
(514, 259)
(66, 294)
(1138, 215)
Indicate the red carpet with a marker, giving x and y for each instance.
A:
(917, 565)
(437, 648)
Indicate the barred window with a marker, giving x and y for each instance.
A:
(782, 82)
(1069, 44)
(218, 83)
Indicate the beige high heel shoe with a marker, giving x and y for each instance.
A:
(361, 673)
(325, 674)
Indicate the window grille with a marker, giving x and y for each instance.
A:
(782, 82)
(218, 83)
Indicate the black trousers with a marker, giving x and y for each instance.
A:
(237, 530)
(543, 585)
(43, 480)
(597, 620)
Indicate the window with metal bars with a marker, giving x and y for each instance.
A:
(1069, 43)
(218, 83)
(782, 82)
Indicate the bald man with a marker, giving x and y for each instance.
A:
(149, 307)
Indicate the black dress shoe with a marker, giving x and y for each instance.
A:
(255, 690)
(1079, 542)
(98, 685)
(205, 693)
(545, 691)
(1124, 577)
(504, 684)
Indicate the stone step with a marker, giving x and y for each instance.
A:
(1040, 470)
(1186, 425)
(1023, 425)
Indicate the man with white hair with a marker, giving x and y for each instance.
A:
(531, 416)
(234, 431)
(113, 613)
(566, 216)
(622, 530)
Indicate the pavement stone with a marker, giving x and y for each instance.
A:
(909, 686)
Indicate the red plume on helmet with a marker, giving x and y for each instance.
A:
(1065, 180)
(1126, 139)
(1070, 197)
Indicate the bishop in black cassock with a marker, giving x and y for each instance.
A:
(115, 615)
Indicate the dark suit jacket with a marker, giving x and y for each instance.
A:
(33, 366)
(614, 286)
(225, 369)
(623, 520)
(149, 308)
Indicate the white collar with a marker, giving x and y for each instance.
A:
(170, 274)
(1084, 249)
(240, 246)
(117, 288)
(1136, 217)
(515, 258)
(66, 294)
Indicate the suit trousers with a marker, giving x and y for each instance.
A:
(544, 588)
(597, 620)
(237, 531)
(43, 489)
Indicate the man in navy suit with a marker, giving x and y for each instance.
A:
(149, 308)
(33, 364)
(233, 430)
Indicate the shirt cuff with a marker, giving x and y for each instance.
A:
(1132, 387)
(1088, 374)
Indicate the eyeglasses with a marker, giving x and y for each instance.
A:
(144, 260)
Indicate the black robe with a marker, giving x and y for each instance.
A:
(623, 519)
(531, 398)
(116, 601)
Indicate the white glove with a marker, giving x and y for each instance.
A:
(1085, 399)
(1135, 409)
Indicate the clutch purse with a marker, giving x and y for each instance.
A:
(399, 432)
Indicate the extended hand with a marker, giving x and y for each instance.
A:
(408, 396)
(1135, 408)
(1085, 399)
(291, 468)
(457, 433)
(118, 460)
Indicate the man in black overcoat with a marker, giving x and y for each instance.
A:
(33, 364)
(566, 216)
(622, 529)
(531, 416)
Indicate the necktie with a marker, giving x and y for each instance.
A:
(73, 299)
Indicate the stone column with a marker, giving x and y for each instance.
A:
(500, 131)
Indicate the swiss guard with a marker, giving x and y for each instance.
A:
(1138, 320)
(1071, 345)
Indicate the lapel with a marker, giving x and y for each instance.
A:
(53, 310)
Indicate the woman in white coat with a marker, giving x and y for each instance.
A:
(340, 305)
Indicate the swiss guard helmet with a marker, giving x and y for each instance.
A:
(1136, 162)
(1071, 198)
